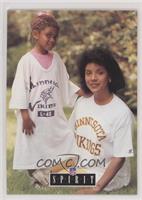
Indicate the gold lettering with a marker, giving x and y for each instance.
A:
(101, 137)
(87, 120)
(81, 143)
(94, 124)
(92, 148)
(97, 150)
(88, 145)
(82, 122)
(77, 124)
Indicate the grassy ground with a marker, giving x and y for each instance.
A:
(18, 182)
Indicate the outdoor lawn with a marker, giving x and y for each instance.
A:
(18, 182)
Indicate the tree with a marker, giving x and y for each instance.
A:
(81, 29)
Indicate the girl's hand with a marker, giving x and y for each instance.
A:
(28, 124)
(81, 93)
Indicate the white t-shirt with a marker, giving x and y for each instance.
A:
(103, 132)
(44, 92)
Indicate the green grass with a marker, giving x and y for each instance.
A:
(18, 181)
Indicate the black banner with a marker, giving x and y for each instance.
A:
(72, 180)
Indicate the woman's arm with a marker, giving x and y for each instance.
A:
(110, 172)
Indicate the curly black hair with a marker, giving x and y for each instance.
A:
(101, 56)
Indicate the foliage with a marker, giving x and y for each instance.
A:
(79, 30)
(14, 54)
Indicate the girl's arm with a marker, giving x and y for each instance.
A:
(28, 124)
(80, 93)
(114, 166)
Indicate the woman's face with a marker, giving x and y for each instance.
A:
(97, 78)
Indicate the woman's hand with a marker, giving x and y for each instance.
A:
(28, 124)
(114, 166)
(89, 190)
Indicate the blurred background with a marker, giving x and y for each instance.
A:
(79, 30)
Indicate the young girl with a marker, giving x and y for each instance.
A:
(40, 90)
(102, 123)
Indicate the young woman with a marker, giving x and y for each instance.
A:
(102, 123)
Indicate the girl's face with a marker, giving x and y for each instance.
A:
(46, 38)
(96, 78)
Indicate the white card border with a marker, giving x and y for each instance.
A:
(61, 4)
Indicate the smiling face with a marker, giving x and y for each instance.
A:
(45, 39)
(97, 78)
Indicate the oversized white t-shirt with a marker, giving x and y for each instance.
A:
(44, 92)
(103, 132)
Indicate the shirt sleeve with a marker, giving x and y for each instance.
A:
(122, 141)
(68, 88)
(19, 96)
(73, 115)
(72, 120)
(72, 93)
